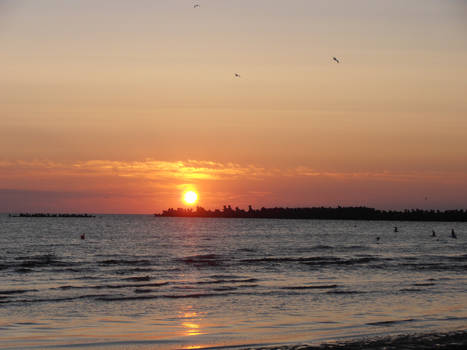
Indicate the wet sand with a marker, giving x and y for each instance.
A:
(452, 340)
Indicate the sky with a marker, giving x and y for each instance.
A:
(120, 106)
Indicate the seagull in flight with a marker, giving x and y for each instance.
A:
(195, 6)
(335, 59)
(237, 75)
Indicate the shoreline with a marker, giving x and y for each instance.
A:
(449, 340)
(455, 340)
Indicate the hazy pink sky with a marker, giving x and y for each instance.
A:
(118, 106)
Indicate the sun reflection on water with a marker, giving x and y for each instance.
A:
(190, 323)
(191, 328)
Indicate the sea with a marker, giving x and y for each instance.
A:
(145, 282)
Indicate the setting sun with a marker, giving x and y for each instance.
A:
(190, 197)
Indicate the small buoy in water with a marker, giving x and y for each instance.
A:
(396, 229)
(83, 236)
(433, 233)
(453, 234)
(378, 238)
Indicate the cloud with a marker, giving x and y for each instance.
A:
(388, 176)
(181, 172)
(136, 176)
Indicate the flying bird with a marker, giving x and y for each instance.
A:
(335, 59)
(237, 75)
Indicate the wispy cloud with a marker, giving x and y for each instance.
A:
(199, 170)
(147, 169)
(384, 175)
(183, 170)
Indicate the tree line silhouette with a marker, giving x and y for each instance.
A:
(323, 213)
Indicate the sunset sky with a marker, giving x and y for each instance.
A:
(119, 106)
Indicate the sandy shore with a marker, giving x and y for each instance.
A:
(452, 340)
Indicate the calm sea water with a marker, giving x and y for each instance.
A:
(145, 282)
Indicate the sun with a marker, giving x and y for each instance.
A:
(190, 197)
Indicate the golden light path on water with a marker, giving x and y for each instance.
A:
(191, 327)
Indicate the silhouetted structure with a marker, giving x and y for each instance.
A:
(339, 213)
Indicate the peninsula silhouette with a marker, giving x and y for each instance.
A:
(50, 215)
(320, 213)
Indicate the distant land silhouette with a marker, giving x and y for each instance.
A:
(49, 215)
(320, 213)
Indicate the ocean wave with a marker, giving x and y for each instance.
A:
(248, 285)
(42, 261)
(143, 290)
(462, 257)
(433, 266)
(322, 247)
(87, 278)
(425, 284)
(194, 295)
(246, 280)
(75, 269)
(137, 279)
(125, 262)
(133, 270)
(341, 261)
(52, 300)
(165, 296)
(224, 289)
(16, 291)
(248, 250)
(411, 290)
(391, 322)
(114, 286)
(125, 298)
(352, 248)
(225, 277)
(315, 260)
(330, 286)
(345, 292)
(203, 260)
(23, 270)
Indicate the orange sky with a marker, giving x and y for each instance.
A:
(117, 106)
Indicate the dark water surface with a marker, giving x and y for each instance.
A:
(145, 282)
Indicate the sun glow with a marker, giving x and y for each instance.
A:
(190, 197)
